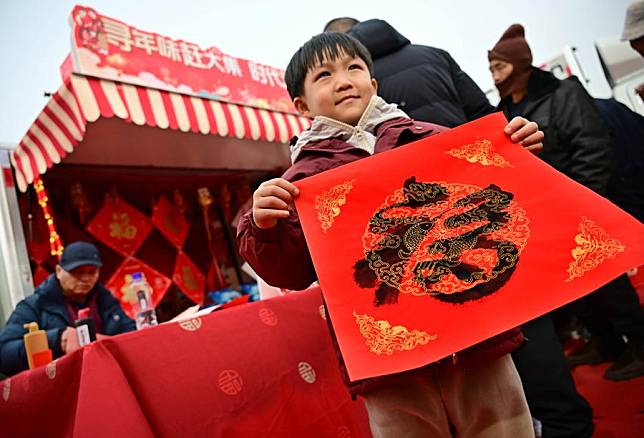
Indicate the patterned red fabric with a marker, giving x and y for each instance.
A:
(120, 226)
(170, 222)
(437, 245)
(189, 278)
(117, 283)
(261, 369)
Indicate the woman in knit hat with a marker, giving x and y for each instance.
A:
(577, 143)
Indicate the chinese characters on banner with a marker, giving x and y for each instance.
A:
(189, 278)
(435, 246)
(170, 222)
(118, 283)
(108, 48)
(120, 226)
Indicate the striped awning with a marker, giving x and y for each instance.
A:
(81, 100)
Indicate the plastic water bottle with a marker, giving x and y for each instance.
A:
(143, 309)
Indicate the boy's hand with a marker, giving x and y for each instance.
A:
(525, 132)
(271, 201)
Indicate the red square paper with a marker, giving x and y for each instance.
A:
(117, 283)
(435, 246)
(120, 226)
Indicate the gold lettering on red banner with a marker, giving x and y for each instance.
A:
(191, 325)
(268, 317)
(328, 203)
(383, 338)
(344, 432)
(482, 152)
(306, 372)
(594, 246)
(50, 370)
(121, 228)
(230, 382)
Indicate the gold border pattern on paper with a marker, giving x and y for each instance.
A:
(594, 245)
(383, 338)
(328, 203)
(482, 152)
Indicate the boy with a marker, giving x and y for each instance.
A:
(330, 79)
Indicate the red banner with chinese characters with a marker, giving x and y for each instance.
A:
(108, 48)
(118, 283)
(435, 246)
(189, 278)
(170, 221)
(120, 226)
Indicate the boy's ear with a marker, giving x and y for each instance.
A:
(301, 106)
(374, 84)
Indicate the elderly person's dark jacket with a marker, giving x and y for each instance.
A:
(424, 81)
(47, 307)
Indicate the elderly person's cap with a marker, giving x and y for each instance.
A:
(80, 254)
(634, 22)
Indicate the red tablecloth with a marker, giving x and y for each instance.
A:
(262, 369)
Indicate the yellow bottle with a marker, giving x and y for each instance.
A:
(36, 346)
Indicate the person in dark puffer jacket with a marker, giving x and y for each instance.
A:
(424, 81)
(577, 143)
(55, 305)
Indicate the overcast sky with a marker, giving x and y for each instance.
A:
(36, 36)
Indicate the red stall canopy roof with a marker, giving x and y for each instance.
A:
(62, 124)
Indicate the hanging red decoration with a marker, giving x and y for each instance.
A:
(55, 244)
(120, 226)
(170, 221)
(79, 201)
(117, 283)
(189, 278)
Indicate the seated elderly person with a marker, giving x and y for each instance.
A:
(55, 305)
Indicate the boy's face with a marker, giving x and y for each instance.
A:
(340, 89)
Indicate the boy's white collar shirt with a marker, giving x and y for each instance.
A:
(361, 136)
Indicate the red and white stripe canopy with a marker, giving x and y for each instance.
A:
(81, 100)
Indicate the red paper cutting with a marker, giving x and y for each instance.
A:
(435, 246)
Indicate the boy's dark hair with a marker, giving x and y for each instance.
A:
(327, 45)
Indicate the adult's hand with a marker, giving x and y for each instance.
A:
(69, 340)
(526, 133)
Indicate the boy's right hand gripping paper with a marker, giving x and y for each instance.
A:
(435, 246)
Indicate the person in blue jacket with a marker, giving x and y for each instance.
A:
(55, 305)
